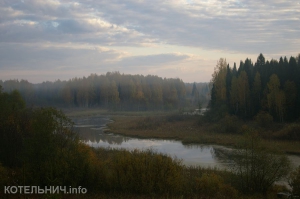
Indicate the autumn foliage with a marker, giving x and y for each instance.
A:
(265, 86)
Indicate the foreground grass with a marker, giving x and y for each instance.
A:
(188, 130)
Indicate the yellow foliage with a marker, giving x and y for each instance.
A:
(212, 186)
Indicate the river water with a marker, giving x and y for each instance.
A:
(91, 132)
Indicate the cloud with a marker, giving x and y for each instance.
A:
(45, 57)
(235, 25)
(230, 26)
(152, 61)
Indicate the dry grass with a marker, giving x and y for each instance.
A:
(167, 125)
(187, 130)
(84, 112)
(78, 112)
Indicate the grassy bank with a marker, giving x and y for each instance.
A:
(82, 112)
(165, 127)
(189, 130)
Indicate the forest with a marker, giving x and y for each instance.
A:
(271, 87)
(113, 91)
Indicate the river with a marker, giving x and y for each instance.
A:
(91, 132)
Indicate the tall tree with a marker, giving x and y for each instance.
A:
(256, 92)
(276, 98)
(234, 97)
(260, 60)
(290, 90)
(195, 94)
(219, 81)
(228, 83)
(243, 94)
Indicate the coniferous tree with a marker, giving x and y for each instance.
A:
(228, 84)
(276, 98)
(256, 93)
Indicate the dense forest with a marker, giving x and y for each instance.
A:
(265, 87)
(113, 91)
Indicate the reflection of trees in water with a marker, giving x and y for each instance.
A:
(222, 154)
(91, 121)
(95, 133)
(197, 146)
(95, 136)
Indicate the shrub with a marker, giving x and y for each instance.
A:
(256, 167)
(294, 180)
(229, 124)
(3, 176)
(145, 172)
(289, 132)
(176, 117)
(149, 123)
(264, 119)
(212, 186)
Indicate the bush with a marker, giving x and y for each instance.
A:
(289, 132)
(294, 180)
(177, 117)
(144, 172)
(4, 178)
(256, 167)
(229, 124)
(212, 186)
(264, 119)
(149, 123)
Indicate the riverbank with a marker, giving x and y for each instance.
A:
(186, 129)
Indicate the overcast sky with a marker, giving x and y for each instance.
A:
(60, 39)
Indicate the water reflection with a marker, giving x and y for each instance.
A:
(97, 136)
(91, 132)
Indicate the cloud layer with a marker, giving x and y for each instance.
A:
(87, 35)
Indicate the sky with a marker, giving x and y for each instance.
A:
(47, 40)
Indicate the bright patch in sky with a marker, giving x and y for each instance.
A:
(62, 39)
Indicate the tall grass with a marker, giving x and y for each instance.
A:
(196, 129)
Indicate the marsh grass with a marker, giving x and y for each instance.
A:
(77, 112)
(190, 131)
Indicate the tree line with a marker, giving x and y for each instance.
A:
(113, 91)
(271, 87)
